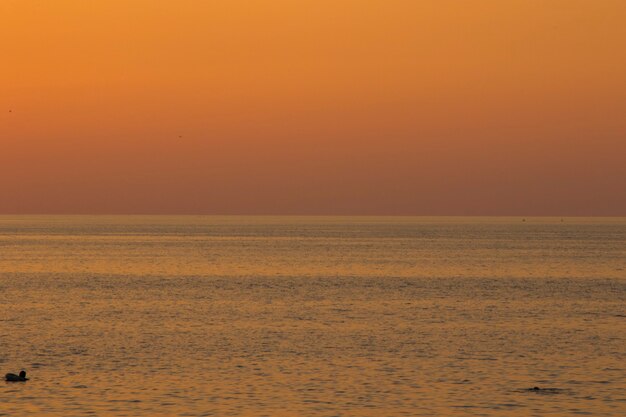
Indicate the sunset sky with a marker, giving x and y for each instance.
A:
(424, 107)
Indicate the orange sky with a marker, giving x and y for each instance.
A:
(489, 107)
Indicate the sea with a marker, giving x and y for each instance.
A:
(313, 316)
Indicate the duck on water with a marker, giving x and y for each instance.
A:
(16, 378)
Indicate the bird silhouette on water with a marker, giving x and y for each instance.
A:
(539, 390)
(16, 378)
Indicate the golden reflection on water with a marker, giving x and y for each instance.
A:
(312, 316)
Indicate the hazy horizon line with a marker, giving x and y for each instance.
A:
(312, 215)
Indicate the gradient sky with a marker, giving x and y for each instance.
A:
(425, 107)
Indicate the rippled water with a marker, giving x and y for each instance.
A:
(313, 316)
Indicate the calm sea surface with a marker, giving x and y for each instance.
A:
(305, 316)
